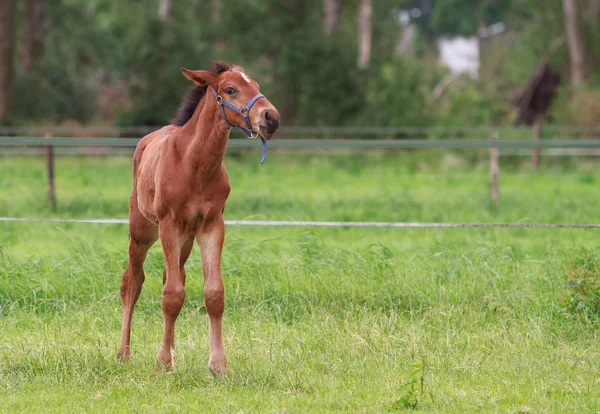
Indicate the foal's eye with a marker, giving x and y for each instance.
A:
(230, 91)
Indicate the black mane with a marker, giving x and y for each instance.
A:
(193, 96)
(188, 105)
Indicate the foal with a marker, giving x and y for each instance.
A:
(179, 191)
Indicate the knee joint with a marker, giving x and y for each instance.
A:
(214, 300)
(172, 300)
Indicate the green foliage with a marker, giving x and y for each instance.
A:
(535, 28)
(99, 48)
(577, 107)
(60, 86)
(471, 103)
(46, 95)
(582, 287)
(153, 54)
(313, 80)
(416, 388)
(331, 88)
(460, 17)
(400, 94)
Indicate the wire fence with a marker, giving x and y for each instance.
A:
(587, 141)
(275, 223)
(317, 143)
(321, 131)
(560, 140)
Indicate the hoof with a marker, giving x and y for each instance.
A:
(123, 355)
(165, 361)
(217, 368)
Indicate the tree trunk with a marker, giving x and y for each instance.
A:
(166, 35)
(7, 45)
(575, 40)
(405, 45)
(33, 32)
(164, 10)
(594, 9)
(332, 10)
(365, 14)
(220, 41)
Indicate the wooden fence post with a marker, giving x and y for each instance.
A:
(50, 173)
(494, 168)
(537, 132)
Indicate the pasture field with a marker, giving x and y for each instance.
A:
(316, 320)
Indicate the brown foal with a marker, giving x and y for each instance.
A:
(180, 187)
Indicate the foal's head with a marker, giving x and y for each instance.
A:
(233, 86)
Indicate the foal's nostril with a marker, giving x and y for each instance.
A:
(272, 121)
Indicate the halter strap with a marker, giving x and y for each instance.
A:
(245, 111)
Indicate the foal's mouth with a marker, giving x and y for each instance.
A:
(265, 132)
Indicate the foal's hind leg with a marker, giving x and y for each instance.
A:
(142, 235)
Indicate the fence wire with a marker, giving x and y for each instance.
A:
(319, 143)
(275, 223)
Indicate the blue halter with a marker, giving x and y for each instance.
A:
(245, 111)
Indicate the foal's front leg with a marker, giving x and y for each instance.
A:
(210, 238)
(172, 239)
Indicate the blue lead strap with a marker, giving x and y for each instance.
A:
(264, 147)
(244, 111)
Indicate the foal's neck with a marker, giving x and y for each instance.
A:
(204, 138)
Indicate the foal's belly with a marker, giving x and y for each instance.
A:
(146, 185)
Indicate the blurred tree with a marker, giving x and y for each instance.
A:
(164, 10)
(399, 94)
(7, 42)
(406, 40)
(365, 15)
(576, 41)
(462, 17)
(220, 42)
(594, 9)
(107, 61)
(312, 79)
(332, 11)
(591, 20)
(33, 32)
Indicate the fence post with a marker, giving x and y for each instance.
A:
(537, 133)
(494, 168)
(50, 173)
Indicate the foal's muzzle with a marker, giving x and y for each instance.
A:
(269, 122)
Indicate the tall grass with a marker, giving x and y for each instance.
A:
(316, 320)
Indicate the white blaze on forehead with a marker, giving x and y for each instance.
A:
(246, 78)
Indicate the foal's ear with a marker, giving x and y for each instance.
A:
(202, 78)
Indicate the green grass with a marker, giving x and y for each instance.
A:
(317, 320)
